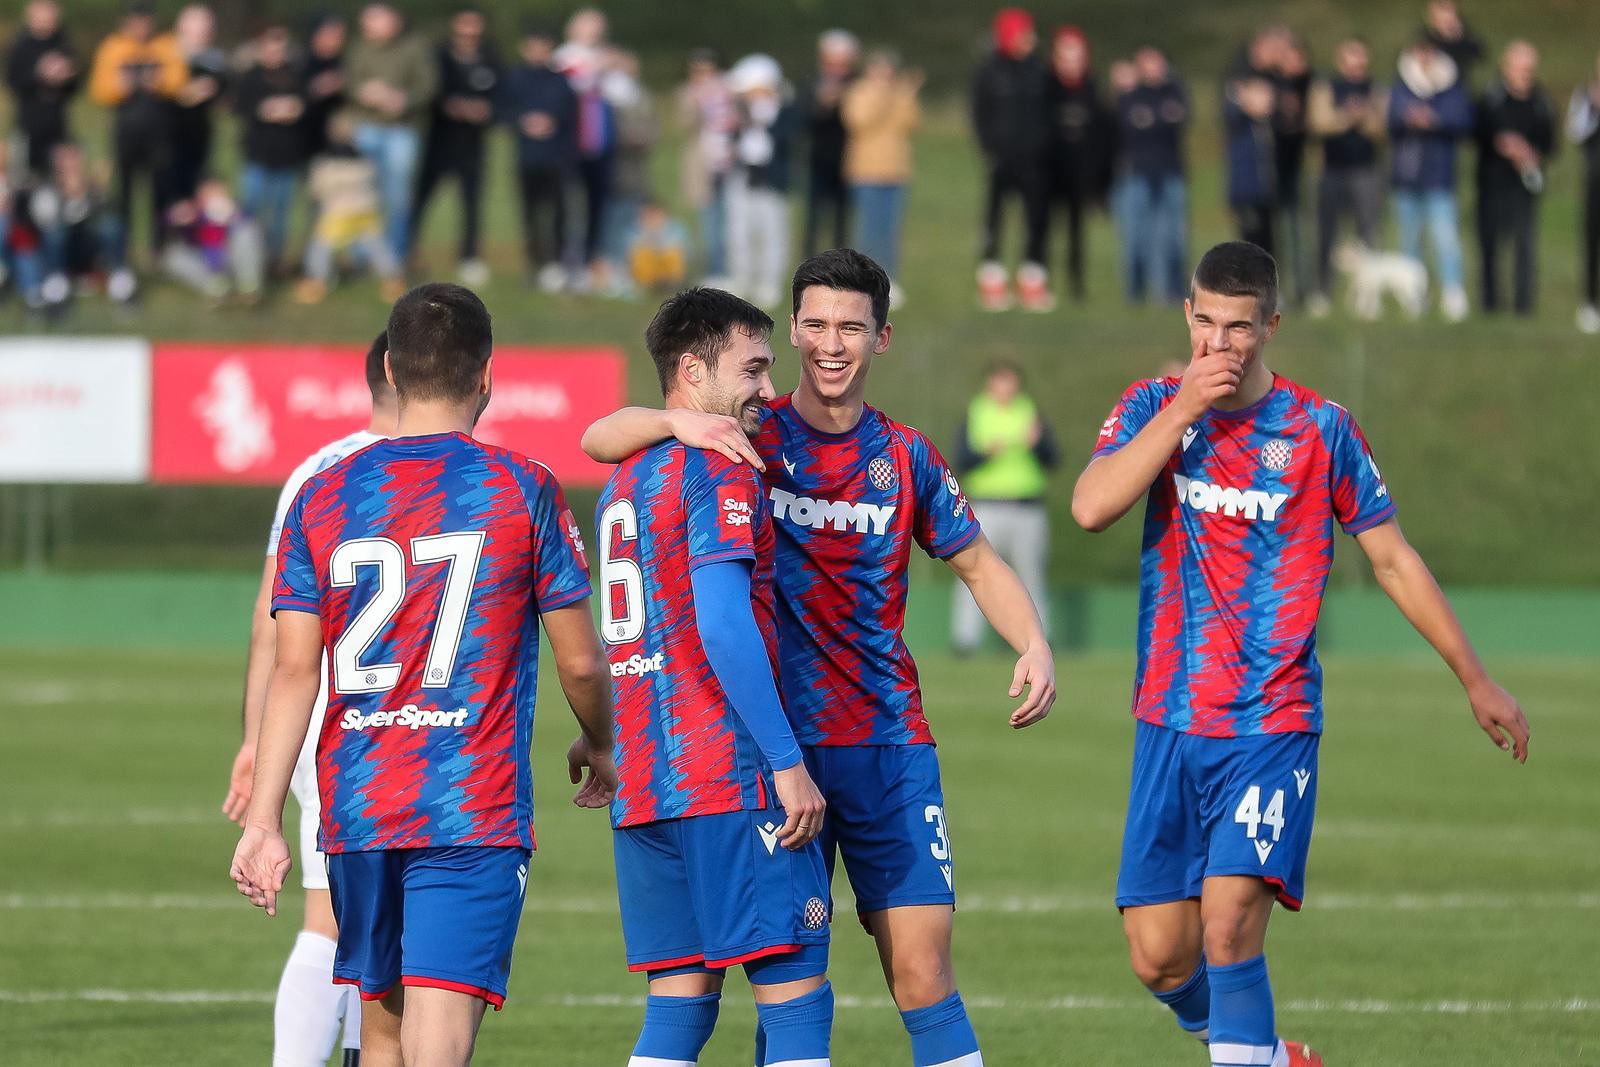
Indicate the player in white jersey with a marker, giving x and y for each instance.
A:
(309, 1006)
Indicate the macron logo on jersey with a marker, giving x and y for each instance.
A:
(840, 514)
(409, 717)
(637, 666)
(1251, 503)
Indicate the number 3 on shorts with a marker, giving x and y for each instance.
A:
(1250, 814)
(941, 844)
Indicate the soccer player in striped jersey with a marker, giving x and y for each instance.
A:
(310, 1007)
(426, 565)
(851, 492)
(1244, 474)
(716, 815)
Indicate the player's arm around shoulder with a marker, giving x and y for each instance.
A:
(1407, 581)
(1005, 602)
(620, 434)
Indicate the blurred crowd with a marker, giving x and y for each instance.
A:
(349, 129)
(1055, 143)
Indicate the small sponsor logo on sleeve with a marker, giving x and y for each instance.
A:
(736, 512)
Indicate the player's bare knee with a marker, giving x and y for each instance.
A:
(1232, 935)
(1162, 966)
(921, 978)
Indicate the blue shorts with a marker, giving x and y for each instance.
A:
(1206, 806)
(717, 890)
(886, 819)
(442, 917)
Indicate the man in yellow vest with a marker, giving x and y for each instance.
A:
(1006, 452)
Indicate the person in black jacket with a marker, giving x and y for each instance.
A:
(1516, 134)
(1010, 112)
(469, 80)
(42, 72)
(1152, 192)
(1583, 129)
(324, 73)
(271, 100)
(1081, 151)
(196, 31)
(538, 103)
(1450, 34)
(837, 53)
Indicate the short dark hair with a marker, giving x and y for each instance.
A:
(848, 271)
(439, 339)
(702, 321)
(377, 379)
(1239, 268)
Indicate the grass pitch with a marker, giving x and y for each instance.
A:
(1451, 909)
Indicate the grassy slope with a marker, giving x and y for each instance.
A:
(1440, 873)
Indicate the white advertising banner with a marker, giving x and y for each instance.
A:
(74, 409)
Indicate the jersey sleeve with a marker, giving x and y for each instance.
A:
(561, 570)
(1136, 408)
(720, 502)
(286, 497)
(945, 523)
(1360, 497)
(295, 587)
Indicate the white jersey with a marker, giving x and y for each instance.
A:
(304, 783)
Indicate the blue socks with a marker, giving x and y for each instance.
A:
(797, 1031)
(675, 1030)
(1191, 1003)
(1243, 1030)
(941, 1035)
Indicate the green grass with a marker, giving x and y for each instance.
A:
(1450, 913)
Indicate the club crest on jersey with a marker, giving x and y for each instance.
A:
(1276, 454)
(881, 473)
(816, 913)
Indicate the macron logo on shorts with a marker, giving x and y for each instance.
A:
(769, 836)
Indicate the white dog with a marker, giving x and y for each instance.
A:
(1372, 274)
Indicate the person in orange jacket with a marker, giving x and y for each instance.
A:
(138, 74)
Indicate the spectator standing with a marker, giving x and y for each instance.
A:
(1429, 111)
(538, 103)
(1247, 113)
(582, 58)
(758, 183)
(1154, 206)
(837, 54)
(469, 80)
(1010, 114)
(631, 187)
(42, 72)
(1291, 86)
(196, 32)
(1583, 129)
(1516, 134)
(324, 73)
(1346, 112)
(21, 263)
(138, 74)
(1081, 152)
(880, 111)
(1443, 25)
(391, 78)
(1006, 454)
(707, 115)
(271, 100)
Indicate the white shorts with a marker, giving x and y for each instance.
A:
(303, 784)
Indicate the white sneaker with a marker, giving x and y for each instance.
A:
(552, 278)
(1453, 302)
(1589, 319)
(122, 285)
(473, 273)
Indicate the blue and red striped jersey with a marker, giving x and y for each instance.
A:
(682, 749)
(1238, 540)
(427, 560)
(846, 509)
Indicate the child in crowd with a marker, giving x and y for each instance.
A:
(212, 247)
(80, 234)
(344, 193)
(657, 250)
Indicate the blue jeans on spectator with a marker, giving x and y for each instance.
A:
(1152, 216)
(394, 151)
(1436, 209)
(266, 193)
(879, 211)
(713, 230)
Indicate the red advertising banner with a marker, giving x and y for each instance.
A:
(249, 413)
